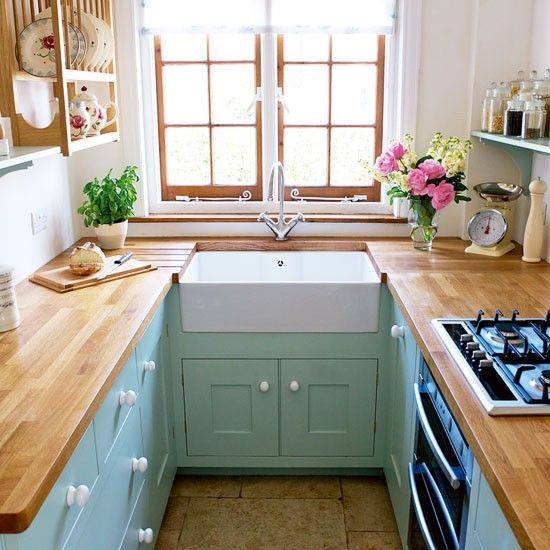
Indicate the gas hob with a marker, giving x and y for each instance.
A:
(505, 360)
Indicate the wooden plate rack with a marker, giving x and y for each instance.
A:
(15, 15)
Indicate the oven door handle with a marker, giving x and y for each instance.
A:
(451, 476)
(420, 513)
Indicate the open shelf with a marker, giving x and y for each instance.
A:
(21, 158)
(520, 150)
(70, 75)
(89, 142)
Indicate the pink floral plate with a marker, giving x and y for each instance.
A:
(37, 48)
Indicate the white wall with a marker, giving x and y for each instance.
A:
(44, 187)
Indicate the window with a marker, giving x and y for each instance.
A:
(331, 126)
(210, 140)
(330, 112)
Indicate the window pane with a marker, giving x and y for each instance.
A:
(183, 47)
(306, 94)
(354, 47)
(305, 156)
(187, 156)
(233, 88)
(353, 94)
(305, 47)
(232, 47)
(351, 149)
(185, 94)
(234, 152)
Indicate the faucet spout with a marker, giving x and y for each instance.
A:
(280, 228)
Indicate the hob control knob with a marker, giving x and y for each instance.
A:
(464, 338)
(485, 363)
(478, 354)
(472, 346)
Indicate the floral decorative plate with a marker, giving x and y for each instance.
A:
(37, 48)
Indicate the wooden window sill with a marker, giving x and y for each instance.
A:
(238, 218)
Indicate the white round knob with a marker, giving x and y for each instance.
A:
(149, 366)
(294, 386)
(140, 465)
(78, 495)
(264, 386)
(145, 535)
(127, 398)
(397, 331)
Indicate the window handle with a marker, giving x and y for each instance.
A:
(257, 98)
(282, 100)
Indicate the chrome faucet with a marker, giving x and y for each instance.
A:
(280, 228)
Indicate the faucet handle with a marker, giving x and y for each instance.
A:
(300, 217)
(262, 217)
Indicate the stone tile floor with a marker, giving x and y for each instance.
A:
(279, 512)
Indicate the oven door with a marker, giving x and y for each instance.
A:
(437, 480)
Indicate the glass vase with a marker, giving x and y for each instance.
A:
(423, 228)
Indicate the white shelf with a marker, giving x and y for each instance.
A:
(21, 158)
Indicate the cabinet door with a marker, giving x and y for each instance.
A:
(231, 407)
(403, 363)
(487, 527)
(328, 407)
(158, 439)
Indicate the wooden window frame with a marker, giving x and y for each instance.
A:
(211, 191)
(372, 192)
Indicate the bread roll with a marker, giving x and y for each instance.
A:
(86, 259)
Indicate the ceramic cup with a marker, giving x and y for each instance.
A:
(9, 313)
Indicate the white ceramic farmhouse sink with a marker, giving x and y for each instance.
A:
(303, 291)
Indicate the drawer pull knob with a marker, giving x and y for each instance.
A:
(264, 386)
(145, 535)
(294, 386)
(149, 366)
(127, 398)
(78, 495)
(397, 331)
(139, 465)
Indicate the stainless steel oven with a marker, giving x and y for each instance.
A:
(440, 475)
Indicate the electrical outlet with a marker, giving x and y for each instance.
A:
(39, 221)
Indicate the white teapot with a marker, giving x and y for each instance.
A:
(79, 119)
(97, 112)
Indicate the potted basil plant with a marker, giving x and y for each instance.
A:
(108, 205)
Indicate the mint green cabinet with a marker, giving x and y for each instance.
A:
(328, 407)
(231, 407)
(403, 365)
(488, 529)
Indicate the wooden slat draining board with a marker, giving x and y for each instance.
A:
(63, 279)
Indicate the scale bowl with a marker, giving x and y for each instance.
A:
(498, 191)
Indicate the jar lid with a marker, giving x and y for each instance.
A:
(516, 105)
(525, 96)
(534, 105)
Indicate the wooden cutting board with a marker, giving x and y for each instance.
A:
(63, 279)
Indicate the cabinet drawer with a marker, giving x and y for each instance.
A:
(137, 521)
(328, 407)
(227, 412)
(111, 417)
(56, 521)
(119, 491)
(148, 344)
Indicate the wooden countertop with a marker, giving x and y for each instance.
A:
(74, 367)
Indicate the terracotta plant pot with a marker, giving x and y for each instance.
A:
(112, 236)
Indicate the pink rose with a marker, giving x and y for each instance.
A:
(432, 169)
(48, 42)
(442, 195)
(397, 149)
(77, 121)
(386, 163)
(417, 181)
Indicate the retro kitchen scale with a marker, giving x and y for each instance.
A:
(490, 229)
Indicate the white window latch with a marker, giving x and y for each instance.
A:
(282, 100)
(258, 97)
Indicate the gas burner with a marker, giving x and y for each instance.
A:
(542, 381)
(512, 337)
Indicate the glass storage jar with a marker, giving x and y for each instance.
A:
(534, 120)
(486, 107)
(526, 85)
(541, 90)
(513, 118)
(515, 85)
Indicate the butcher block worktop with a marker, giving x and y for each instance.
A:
(57, 366)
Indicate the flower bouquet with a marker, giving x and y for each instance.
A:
(430, 183)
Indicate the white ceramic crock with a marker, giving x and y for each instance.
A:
(9, 312)
(112, 236)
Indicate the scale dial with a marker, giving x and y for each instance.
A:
(487, 228)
